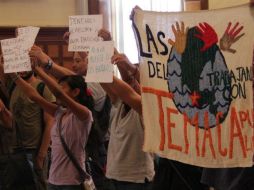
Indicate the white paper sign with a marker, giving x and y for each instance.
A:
(15, 50)
(12, 46)
(16, 63)
(29, 33)
(100, 68)
(83, 30)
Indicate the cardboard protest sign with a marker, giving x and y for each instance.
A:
(83, 30)
(100, 68)
(15, 50)
(196, 78)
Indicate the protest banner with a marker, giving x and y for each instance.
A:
(100, 68)
(196, 78)
(83, 30)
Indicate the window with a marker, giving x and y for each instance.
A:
(123, 33)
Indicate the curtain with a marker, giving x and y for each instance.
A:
(116, 13)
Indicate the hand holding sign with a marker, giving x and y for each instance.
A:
(120, 60)
(66, 37)
(36, 52)
(105, 35)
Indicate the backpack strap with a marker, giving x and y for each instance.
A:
(40, 89)
(11, 88)
(82, 173)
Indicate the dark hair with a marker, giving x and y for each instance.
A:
(77, 81)
(83, 55)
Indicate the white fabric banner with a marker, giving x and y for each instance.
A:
(196, 78)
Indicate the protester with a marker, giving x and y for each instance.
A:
(96, 145)
(128, 167)
(73, 107)
(33, 125)
(170, 174)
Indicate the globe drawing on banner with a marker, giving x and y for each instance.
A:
(198, 75)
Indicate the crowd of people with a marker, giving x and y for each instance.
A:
(71, 131)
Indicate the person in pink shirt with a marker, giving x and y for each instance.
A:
(74, 118)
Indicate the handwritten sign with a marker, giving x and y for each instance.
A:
(196, 78)
(83, 30)
(15, 50)
(13, 45)
(29, 33)
(15, 57)
(17, 63)
(100, 68)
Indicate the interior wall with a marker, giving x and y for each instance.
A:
(44, 13)
(216, 4)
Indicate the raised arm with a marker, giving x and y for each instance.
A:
(79, 110)
(47, 63)
(5, 115)
(127, 70)
(125, 93)
(43, 150)
(34, 95)
(3, 78)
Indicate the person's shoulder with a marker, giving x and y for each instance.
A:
(96, 88)
(88, 119)
(43, 90)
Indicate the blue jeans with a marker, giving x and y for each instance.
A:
(64, 187)
(122, 185)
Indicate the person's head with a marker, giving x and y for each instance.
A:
(26, 75)
(75, 87)
(80, 62)
(133, 82)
